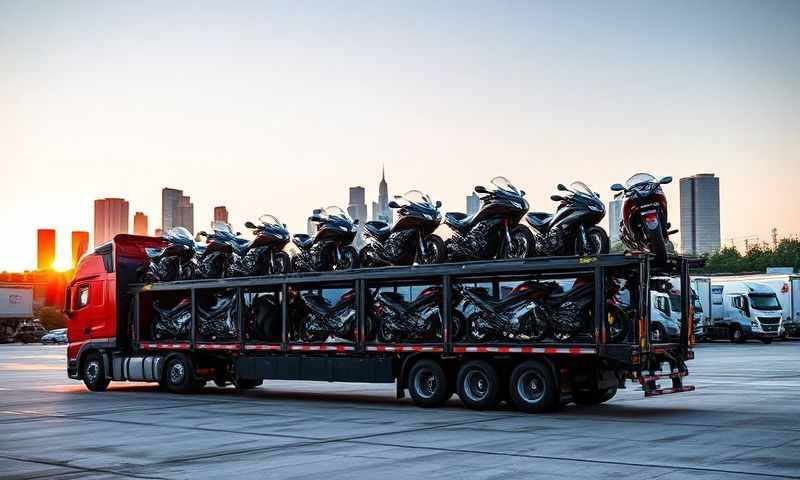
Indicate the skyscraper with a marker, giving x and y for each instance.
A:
(220, 215)
(110, 218)
(80, 244)
(177, 210)
(45, 248)
(380, 209)
(357, 208)
(700, 214)
(614, 217)
(473, 203)
(139, 223)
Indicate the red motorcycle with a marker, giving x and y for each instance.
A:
(644, 224)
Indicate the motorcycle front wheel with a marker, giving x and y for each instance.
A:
(435, 251)
(522, 243)
(348, 258)
(281, 264)
(597, 242)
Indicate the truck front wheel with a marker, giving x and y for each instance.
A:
(178, 377)
(427, 384)
(736, 334)
(94, 374)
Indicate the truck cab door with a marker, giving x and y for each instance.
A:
(78, 329)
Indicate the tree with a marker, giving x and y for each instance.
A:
(757, 258)
(50, 317)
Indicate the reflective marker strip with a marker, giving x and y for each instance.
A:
(403, 348)
(217, 346)
(167, 346)
(263, 347)
(321, 348)
(570, 350)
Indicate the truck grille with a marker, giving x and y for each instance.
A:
(770, 328)
(769, 320)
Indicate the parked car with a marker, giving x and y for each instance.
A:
(30, 332)
(59, 335)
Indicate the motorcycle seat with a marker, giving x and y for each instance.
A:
(539, 220)
(302, 240)
(458, 220)
(378, 229)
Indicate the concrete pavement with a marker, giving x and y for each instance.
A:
(743, 422)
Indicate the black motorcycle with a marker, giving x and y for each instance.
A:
(214, 259)
(330, 248)
(573, 229)
(171, 323)
(411, 239)
(174, 262)
(494, 230)
(644, 224)
(396, 320)
(518, 316)
(264, 317)
(263, 255)
(216, 312)
(315, 319)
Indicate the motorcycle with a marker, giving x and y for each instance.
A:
(315, 319)
(329, 248)
(264, 318)
(173, 262)
(171, 323)
(573, 229)
(410, 239)
(214, 259)
(494, 230)
(263, 255)
(396, 320)
(216, 314)
(644, 224)
(515, 317)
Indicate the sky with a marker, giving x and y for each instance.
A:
(278, 107)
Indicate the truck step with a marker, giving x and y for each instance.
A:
(667, 391)
(659, 376)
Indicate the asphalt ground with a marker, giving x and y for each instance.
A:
(742, 422)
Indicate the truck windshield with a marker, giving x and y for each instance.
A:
(764, 301)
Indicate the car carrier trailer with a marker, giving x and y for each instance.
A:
(111, 335)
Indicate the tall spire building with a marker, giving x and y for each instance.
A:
(380, 209)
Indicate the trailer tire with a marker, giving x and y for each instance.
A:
(427, 384)
(736, 334)
(178, 376)
(478, 385)
(93, 372)
(594, 397)
(532, 387)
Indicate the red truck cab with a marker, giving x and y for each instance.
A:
(96, 306)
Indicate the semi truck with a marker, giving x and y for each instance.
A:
(16, 310)
(483, 343)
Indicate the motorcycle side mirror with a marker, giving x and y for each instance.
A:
(617, 187)
(249, 224)
(355, 222)
(522, 192)
(665, 180)
(284, 225)
(561, 187)
(238, 233)
(596, 194)
(556, 198)
(481, 189)
(438, 203)
(315, 218)
(394, 204)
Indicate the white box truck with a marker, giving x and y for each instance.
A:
(16, 308)
(743, 308)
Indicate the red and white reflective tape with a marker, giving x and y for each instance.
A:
(271, 346)
(217, 346)
(656, 377)
(667, 391)
(403, 348)
(322, 348)
(166, 346)
(568, 350)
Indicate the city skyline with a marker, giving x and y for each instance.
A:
(699, 214)
(542, 95)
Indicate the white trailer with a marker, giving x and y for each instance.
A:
(16, 307)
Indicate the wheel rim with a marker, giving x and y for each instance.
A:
(519, 245)
(476, 385)
(593, 244)
(345, 261)
(431, 252)
(177, 373)
(530, 387)
(737, 334)
(92, 371)
(425, 383)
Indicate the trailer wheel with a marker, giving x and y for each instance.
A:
(94, 374)
(478, 385)
(736, 334)
(594, 397)
(178, 376)
(427, 384)
(532, 387)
